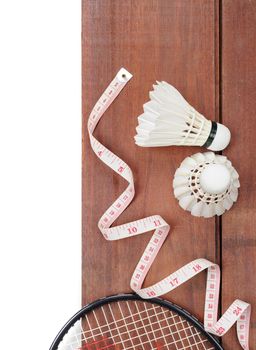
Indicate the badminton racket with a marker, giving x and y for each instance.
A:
(128, 322)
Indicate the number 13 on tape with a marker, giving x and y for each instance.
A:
(239, 311)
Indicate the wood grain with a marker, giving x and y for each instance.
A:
(176, 41)
(238, 113)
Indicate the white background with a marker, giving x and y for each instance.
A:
(40, 147)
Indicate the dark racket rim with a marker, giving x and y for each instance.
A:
(120, 297)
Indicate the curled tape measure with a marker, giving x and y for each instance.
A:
(238, 312)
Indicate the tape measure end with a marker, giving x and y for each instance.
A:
(123, 75)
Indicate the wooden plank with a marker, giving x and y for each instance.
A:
(176, 41)
(238, 113)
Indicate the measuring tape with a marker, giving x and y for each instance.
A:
(238, 312)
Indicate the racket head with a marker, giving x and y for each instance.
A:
(135, 324)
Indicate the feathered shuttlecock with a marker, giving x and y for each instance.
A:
(206, 184)
(168, 119)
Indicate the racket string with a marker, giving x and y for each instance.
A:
(141, 320)
(120, 320)
(157, 347)
(149, 320)
(180, 339)
(188, 338)
(160, 327)
(125, 324)
(123, 333)
(119, 334)
(169, 327)
(134, 338)
(136, 325)
(134, 322)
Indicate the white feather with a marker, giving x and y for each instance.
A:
(185, 202)
(168, 119)
(197, 209)
(191, 195)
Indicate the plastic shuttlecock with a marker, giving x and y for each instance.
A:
(206, 184)
(168, 119)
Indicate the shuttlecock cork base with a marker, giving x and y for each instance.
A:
(206, 184)
(168, 119)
